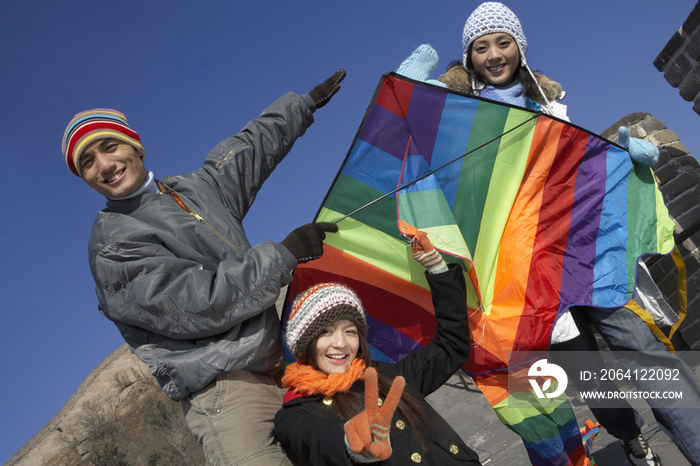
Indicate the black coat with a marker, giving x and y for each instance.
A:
(314, 434)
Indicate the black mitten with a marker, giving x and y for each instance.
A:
(306, 242)
(322, 93)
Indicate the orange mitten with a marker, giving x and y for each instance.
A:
(367, 434)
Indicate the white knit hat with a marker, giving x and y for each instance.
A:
(488, 18)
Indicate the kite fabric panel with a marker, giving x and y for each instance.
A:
(541, 215)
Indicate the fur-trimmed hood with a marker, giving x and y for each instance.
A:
(457, 79)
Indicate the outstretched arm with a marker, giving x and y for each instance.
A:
(428, 368)
(240, 164)
(156, 282)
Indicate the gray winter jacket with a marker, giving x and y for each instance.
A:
(188, 293)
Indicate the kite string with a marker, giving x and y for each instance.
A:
(436, 169)
(398, 183)
(480, 310)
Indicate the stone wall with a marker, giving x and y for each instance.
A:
(678, 174)
(678, 60)
(678, 171)
(115, 405)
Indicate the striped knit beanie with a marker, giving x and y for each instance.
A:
(317, 307)
(92, 125)
(488, 18)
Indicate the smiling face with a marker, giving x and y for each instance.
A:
(337, 346)
(113, 168)
(496, 58)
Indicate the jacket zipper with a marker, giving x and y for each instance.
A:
(176, 200)
(218, 164)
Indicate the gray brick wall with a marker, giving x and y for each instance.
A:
(678, 60)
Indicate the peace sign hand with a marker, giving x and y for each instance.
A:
(367, 434)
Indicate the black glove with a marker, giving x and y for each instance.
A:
(306, 242)
(322, 93)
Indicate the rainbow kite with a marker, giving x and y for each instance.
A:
(541, 215)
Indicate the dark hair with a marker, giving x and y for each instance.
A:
(348, 404)
(532, 89)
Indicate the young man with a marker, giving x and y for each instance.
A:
(176, 274)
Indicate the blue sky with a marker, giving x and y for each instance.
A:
(189, 74)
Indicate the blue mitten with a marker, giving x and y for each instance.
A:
(420, 65)
(640, 150)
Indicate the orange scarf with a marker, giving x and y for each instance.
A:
(306, 380)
